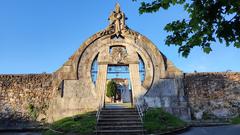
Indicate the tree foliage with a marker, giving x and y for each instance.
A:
(111, 89)
(209, 21)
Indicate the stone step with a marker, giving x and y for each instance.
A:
(120, 132)
(127, 123)
(120, 127)
(119, 112)
(119, 119)
(118, 116)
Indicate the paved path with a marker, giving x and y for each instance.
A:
(220, 130)
(20, 133)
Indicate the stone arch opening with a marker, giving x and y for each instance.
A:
(94, 70)
(141, 65)
(119, 73)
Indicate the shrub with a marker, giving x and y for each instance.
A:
(111, 89)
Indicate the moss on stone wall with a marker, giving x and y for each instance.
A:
(24, 97)
(213, 95)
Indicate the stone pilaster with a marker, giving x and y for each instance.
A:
(135, 82)
(101, 80)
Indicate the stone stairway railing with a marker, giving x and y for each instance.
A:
(100, 106)
(140, 110)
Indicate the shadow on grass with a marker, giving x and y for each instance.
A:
(83, 124)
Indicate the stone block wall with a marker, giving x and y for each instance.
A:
(25, 96)
(209, 95)
(74, 99)
(169, 94)
(213, 95)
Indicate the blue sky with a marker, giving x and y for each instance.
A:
(40, 35)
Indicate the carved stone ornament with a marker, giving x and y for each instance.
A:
(117, 26)
(117, 19)
(119, 54)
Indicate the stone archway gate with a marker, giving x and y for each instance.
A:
(74, 89)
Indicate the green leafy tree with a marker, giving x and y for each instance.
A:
(111, 89)
(209, 21)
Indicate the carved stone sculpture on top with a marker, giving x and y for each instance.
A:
(117, 20)
(117, 26)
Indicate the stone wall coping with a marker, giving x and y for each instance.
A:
(25, 74)
(214, 73)
(204, 73)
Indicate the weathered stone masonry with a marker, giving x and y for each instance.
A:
(213, 95)
(19, 92)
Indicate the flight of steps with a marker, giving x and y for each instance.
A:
(119, 121)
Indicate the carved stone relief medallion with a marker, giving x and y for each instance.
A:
(118, 54)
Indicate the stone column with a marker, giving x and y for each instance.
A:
(135, 82)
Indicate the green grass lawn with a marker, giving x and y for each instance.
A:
(83, 124)
(159, 121)
(236, 120)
